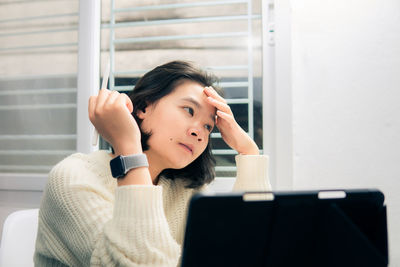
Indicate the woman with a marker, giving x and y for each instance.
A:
(89, 218)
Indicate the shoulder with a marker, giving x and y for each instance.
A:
(81, 170)
(75, 181)
(97, 162)
(95, 159)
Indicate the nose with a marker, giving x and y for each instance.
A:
(196, 133)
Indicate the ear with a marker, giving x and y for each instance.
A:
(141, 113)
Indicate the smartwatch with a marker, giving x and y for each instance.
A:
(120, 165)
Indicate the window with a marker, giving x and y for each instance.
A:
(38, 70)
(223, 36)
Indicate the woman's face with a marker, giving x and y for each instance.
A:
(180, 124)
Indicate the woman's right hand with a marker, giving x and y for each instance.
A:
(110, 113)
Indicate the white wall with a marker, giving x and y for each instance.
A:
(338, 81)
(345, 70)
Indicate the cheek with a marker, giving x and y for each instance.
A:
(160, 120)
(203, 148)
(165, 125)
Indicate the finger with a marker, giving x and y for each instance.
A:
(224, 116)
(102, 98)
(209, 91)
(92, 106)
(112, 97)
(219, 105)
(212, 92)
(225, 123)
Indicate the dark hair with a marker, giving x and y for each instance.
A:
(160, 82)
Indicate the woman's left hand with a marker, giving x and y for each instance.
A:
(230, 130)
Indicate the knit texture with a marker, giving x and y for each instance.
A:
(85, 219)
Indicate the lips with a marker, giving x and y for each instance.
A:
(187, 147)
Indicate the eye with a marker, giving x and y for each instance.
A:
(189, 110)
(208, 127)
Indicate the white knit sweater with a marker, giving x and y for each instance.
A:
(86, 219)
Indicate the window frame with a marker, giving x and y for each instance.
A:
(277, 117)
(88, 84)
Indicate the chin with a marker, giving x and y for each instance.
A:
(181, 164)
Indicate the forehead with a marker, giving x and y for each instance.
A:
(185, 87)
(194, 91)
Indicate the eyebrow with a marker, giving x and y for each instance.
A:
(197, 104)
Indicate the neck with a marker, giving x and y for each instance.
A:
(154, 166)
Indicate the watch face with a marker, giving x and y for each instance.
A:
(117, 167)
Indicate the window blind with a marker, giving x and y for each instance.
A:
(38, 65)
(222, 36)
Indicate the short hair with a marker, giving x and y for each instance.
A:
(160, 82)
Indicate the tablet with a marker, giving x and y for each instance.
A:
(294, 228)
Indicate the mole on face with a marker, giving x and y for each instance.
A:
(170, 139)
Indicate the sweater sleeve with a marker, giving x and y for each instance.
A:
(252, 173)
(138, 234)
(82, 224)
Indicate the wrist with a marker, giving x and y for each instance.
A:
(128, 149)
(121, 165)
(251, 149)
